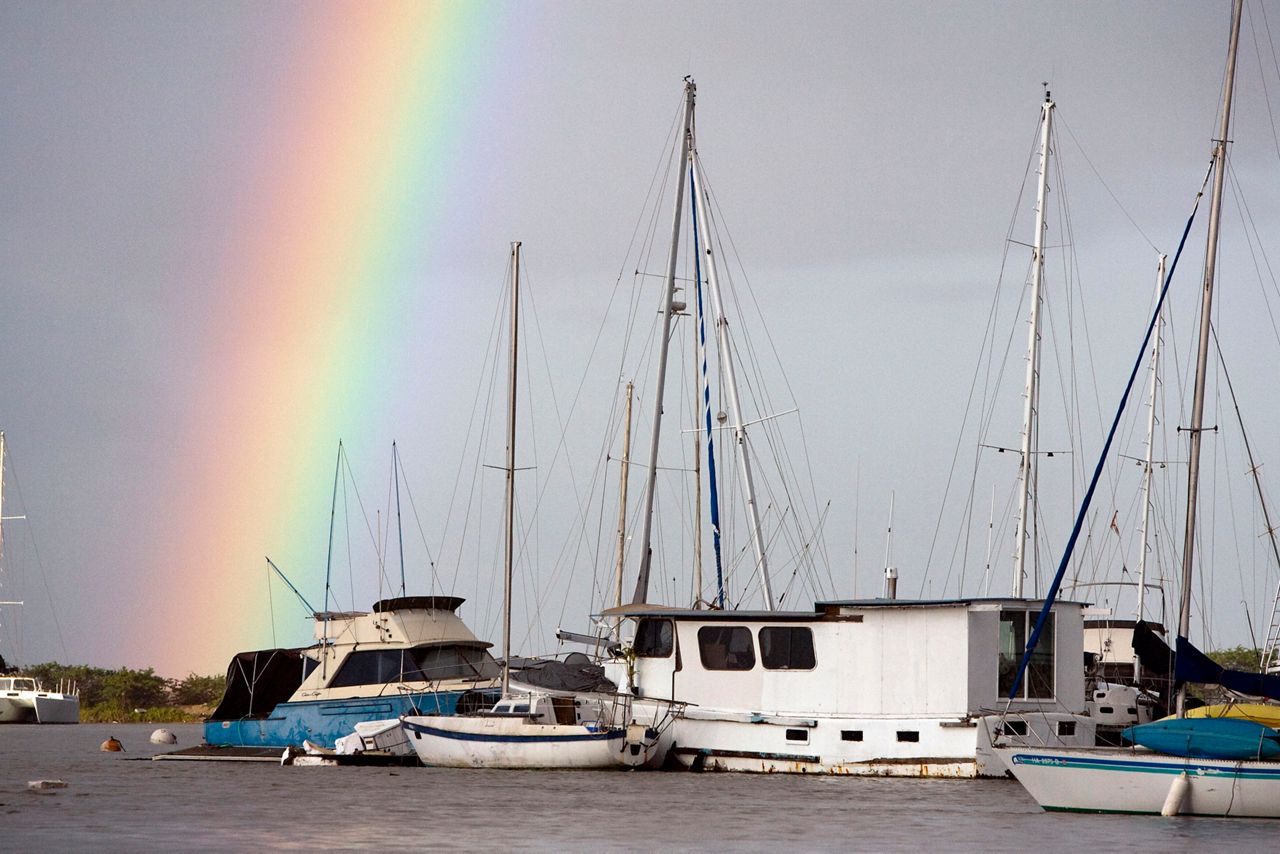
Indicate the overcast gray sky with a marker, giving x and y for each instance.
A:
(868, 158)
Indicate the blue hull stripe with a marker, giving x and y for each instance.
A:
(1239, 770)
(608, 735)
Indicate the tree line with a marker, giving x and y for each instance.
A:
(128, 694)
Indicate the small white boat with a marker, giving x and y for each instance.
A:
(534, 730)
(23, 700)
(529, 728)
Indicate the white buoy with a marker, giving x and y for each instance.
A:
(163, 736)
(1177, 795)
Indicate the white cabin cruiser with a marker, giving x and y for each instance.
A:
(411, 655)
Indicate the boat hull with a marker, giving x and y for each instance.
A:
(323, 722)
(39, 707)
(1111, 780)
(709, 740)
(499, 742)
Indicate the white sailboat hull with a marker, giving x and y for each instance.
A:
(506, 742)
(1133, 780)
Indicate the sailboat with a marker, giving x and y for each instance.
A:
(884, 687)
(1186, 765)
(22, 698)
(530, 728)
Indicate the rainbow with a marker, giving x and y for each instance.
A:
(345, 189)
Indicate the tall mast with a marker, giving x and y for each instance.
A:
(622, 507)
(646, 537)
(1149, 462)
(731, 383)
(511, 470)
(1030, 412)
(1202, 357)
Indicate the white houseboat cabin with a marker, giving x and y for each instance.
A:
(883, 687)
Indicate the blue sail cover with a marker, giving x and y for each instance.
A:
(1192, 665)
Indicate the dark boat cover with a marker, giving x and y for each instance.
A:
(259, 681)
(1194, 666)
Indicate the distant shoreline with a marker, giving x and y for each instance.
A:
(163, 715)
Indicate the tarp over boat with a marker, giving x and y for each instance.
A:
(1192, 665)
(259, 681)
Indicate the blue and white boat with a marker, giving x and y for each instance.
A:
(410, 655)
(1202, 766)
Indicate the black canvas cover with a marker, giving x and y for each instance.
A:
(259, 681)
(1153, 652)
(575, 673)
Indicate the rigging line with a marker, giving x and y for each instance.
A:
(373, 537)
(1062, 119)
(477, 435)
(417, 518)
(35, 550)
(395, 457)
(346, 523)
(986, 350)
(333, 509)
(271, 608)
(1254, 240)
(1266, 95)
(1248, 448)
(561, 446)
(1106, 449)
(986, 414)
(1071, 396)
(760, 390)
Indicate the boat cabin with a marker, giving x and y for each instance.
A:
(873, 657)
(882, 686)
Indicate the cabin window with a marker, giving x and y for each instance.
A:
(423, 664)
(1014, 728)
(726, 648)
(851, 735)
(654, 638)
(908, 735)
(800, 735)
(1066, 728)
(787, 648)
(1015, 629)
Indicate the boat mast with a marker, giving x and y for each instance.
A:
(622, 511)
(731, 384)
(1148, 463)
(1030, 411)
(511, 470)
(646, 537)
(1202, 357)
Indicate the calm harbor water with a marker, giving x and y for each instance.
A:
(118, 801)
